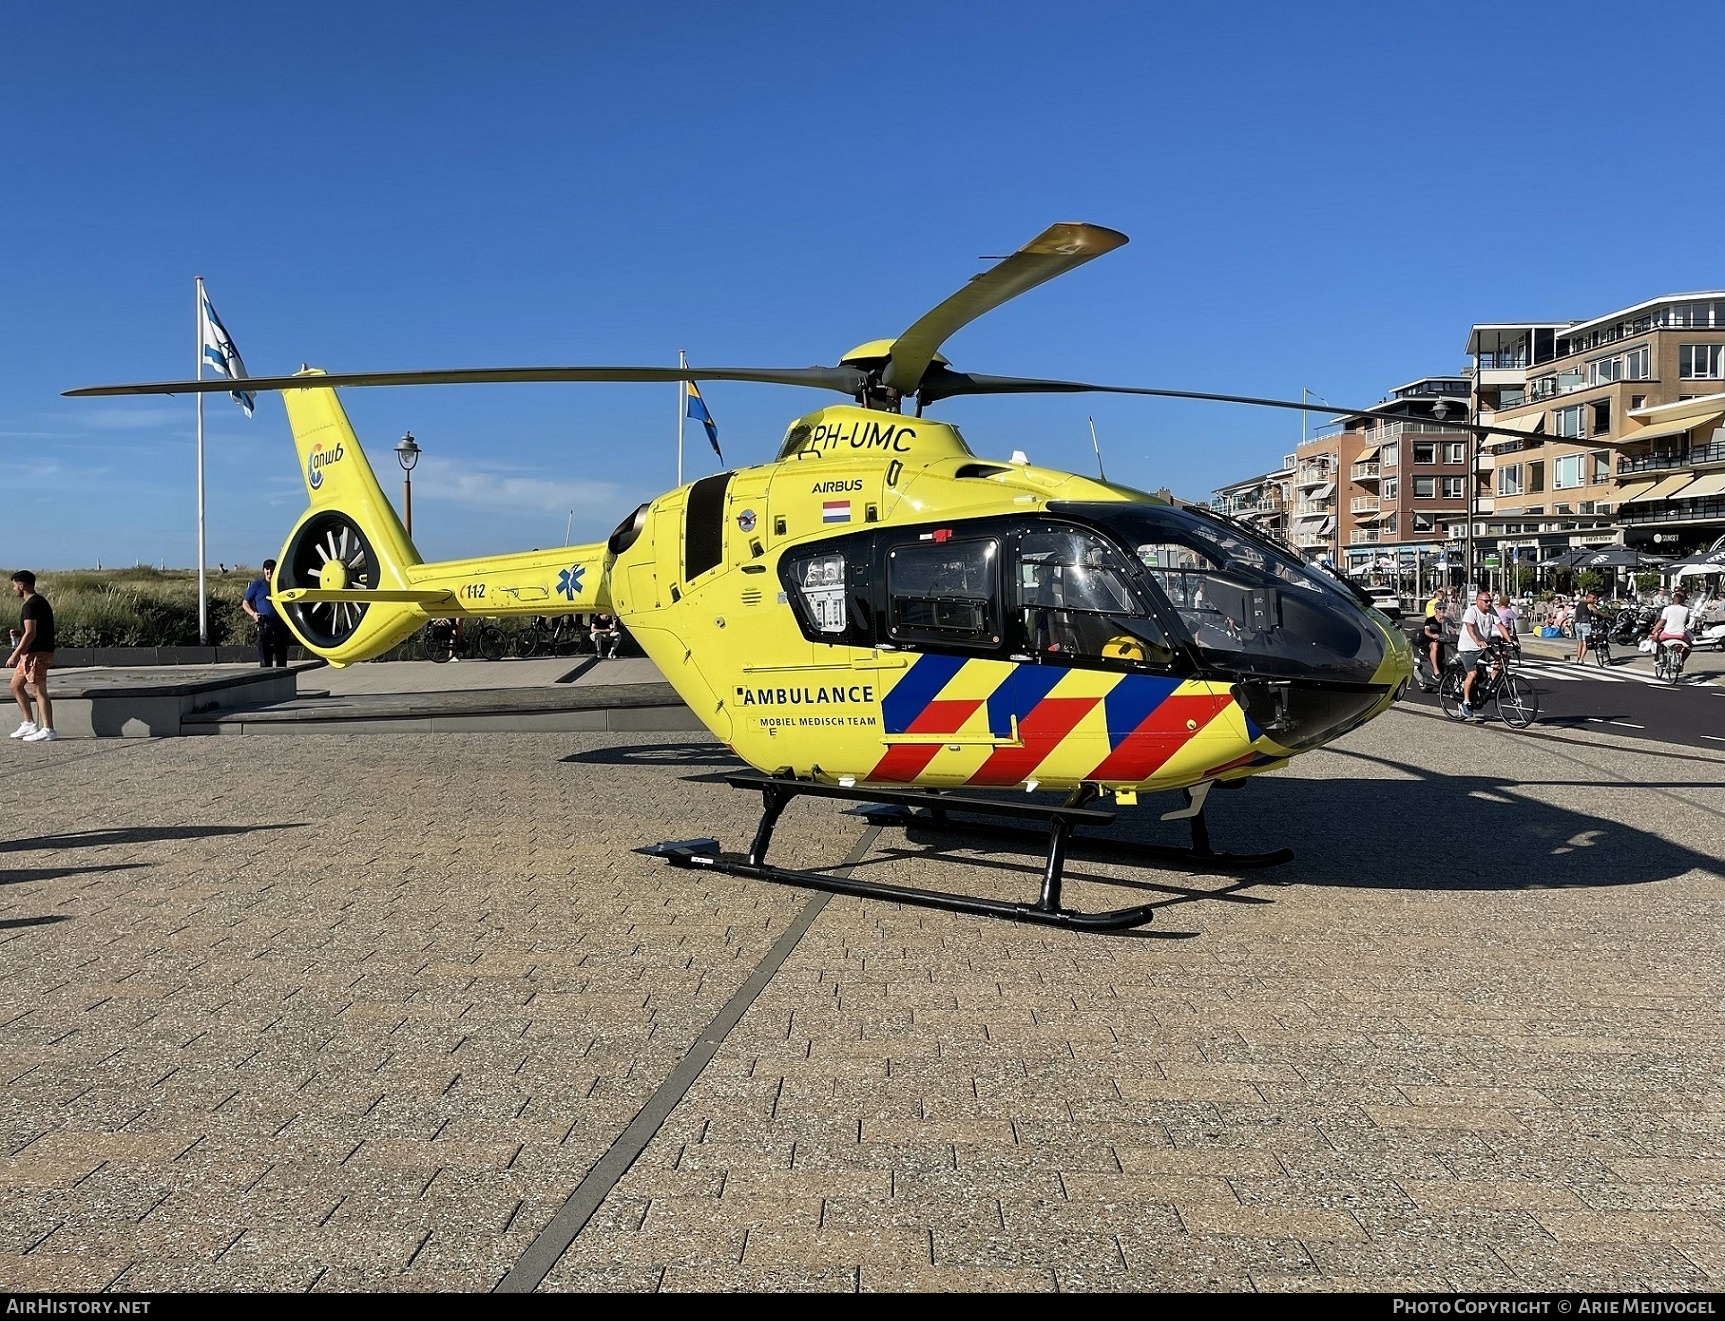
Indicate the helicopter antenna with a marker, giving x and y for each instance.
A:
(1097, 448)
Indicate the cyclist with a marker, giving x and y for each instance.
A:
(1432, 638)
(1671, 629)
(1479, 625)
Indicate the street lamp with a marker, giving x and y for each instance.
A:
(407, 454)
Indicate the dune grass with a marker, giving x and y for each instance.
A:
(143, 607)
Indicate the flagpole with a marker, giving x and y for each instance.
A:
(203, 598)
(682, 411)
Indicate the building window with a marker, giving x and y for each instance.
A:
(1568, 420)
(1455, 451)
(1535, 478)
(1425, 488)
(1636, 364)
(1454, 488)
(1390, 455)
(1602, 371)
(1425, 451)
(1700, 362)
(1601, 466)
(1424, 522)
(1509, 479)
(1602, 417)
(1391, 486)
(1637, 401)
(1566, 472)
(1388, 526)
(1695, 315)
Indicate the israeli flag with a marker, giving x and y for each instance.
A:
(220, 355)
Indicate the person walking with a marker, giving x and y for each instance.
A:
(272, 632)
(1585, 617)
(1509, 617)
(32, 657)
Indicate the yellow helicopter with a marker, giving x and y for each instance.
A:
(880, 614)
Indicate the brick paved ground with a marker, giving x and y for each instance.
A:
(361, 1012)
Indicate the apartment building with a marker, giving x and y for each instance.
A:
(1383, 496)
(1265, 502)
(1617, 430)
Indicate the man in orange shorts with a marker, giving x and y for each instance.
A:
(32, 656)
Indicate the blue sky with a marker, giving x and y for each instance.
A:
(1319, 196)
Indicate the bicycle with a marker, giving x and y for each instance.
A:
(1668, 662)
(445, 641)
(1600, 645)
(1516, 703)
(550, 637)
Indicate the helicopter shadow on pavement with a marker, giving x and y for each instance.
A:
(691, 754)
(1378, 832)
(89, 839)
(1367, 832)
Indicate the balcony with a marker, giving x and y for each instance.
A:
(1364, 472)
(1710, 509)
(1693, 456)
(1363, 504)
(1362, 537)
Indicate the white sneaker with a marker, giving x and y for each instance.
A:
(42, 736)
(24, 730)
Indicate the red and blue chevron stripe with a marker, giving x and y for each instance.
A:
(1147, 720)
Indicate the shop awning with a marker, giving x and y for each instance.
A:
(1662, 490)
(1366, 455)
(1634, 491)
(1712, 484)
(1323, 491)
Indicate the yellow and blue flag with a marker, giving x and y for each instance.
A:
(697, 409)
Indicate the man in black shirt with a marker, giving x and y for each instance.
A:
(32, 656)
(1586, 617)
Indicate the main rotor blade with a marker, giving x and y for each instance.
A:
(1053, 252)
(943, 383)
(845, 380)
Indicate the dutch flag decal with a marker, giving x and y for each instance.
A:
(836, 511)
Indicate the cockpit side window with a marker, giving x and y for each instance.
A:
(1075, 604)
(1249, 608)
(944, 592)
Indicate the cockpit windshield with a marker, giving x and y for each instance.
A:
(1246, 604)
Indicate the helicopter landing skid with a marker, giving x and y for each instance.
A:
(1199, 856)
(777, 791)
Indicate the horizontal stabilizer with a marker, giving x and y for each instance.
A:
(315, 595)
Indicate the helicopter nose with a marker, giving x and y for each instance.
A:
(1300, 712)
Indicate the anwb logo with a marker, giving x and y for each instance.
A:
(318, 461)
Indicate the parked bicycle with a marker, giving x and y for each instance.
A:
(1515, 702)
(445, 640)
(561, 636)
